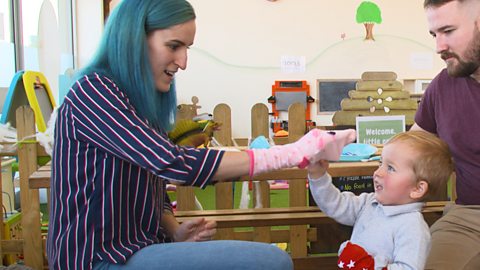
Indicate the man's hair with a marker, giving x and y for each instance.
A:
(433, 161)
(438, 3)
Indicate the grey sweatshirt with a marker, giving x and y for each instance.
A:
(395, 236)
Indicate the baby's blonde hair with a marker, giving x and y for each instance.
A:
(433, 162)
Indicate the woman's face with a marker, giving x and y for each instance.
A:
(168, 52)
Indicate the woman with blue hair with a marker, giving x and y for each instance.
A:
(112, 157)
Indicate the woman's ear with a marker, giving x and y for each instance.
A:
(420, 190)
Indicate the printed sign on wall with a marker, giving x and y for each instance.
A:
(378, 129)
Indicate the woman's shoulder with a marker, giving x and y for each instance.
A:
(98, 88)
(96, 79)
(95, 83)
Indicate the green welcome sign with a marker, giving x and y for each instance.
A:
(378, 129)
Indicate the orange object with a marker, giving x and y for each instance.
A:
(285, 93)
(281, 133)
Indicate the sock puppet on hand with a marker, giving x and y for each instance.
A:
(314, 146)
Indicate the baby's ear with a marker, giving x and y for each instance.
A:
(420, 190)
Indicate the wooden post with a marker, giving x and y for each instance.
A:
(27, 164)
(260, 128)
(259, 120)
(223, 114)
(185, 194)
(259, 123)
(296, 122)
(297, 189)
(224, 191)
(224, 200)
(185, 198)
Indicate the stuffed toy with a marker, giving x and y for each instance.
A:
(354, 257)
(314, 146)
(193, 133)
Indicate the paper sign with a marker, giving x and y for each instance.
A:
(378, 129)
(292, 64)
(421, 61)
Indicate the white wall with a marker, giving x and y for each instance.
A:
(236, 55)
(89, 27)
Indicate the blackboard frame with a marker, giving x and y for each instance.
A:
(328, 103)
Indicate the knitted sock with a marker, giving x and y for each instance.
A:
(312, 147)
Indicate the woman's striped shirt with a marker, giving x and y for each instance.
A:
(108, 170)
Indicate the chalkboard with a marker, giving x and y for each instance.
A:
(355, 184)
(331, 93)
(285, 99)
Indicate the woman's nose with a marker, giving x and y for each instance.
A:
(181, 60)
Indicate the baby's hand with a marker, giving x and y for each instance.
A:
(317, 169)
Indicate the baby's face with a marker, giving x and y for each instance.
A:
(394, 181)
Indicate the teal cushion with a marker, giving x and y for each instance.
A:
(357, 152)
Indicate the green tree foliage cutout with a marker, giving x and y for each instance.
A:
(369, 14)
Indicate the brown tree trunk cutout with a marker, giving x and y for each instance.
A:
(369, 31)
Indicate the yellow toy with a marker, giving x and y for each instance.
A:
(40, 97)
(193, 133)
(29, 88)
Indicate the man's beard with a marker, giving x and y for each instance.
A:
(471, 62)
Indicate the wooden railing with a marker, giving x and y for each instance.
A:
(301, 224)
(31, 244)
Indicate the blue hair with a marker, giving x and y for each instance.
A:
(123, 55)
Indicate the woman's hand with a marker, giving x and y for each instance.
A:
(195, 230)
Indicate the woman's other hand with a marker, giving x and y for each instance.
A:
(196, 230)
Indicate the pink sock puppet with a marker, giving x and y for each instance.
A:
(314, 146)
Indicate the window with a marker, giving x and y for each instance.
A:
(7, 54)
(47, 39)
(44, 39)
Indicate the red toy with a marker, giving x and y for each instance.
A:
(354, 257)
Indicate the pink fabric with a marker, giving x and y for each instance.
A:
(314, 146)
(252, 162)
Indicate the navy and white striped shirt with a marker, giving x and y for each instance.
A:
(107, 187)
